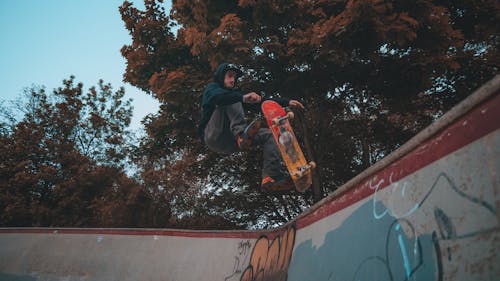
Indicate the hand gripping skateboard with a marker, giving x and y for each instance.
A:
(278, 121)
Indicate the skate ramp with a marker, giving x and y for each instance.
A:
(428, 211)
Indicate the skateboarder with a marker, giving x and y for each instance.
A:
(223, 127)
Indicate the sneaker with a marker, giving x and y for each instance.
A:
(277, 185)
(245, 139)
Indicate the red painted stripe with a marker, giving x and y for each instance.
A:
(479, 122)
(134, 232)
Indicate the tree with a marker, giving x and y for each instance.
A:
(372, 74)
(62, 163)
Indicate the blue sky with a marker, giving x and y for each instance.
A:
(44, 42)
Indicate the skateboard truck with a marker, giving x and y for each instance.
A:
(289, 115)
(300, 171)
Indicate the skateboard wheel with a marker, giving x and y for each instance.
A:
(290, 115)
(276, 121)
(312, 164)
(299, 174)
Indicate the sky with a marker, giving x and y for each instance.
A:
(44, 42)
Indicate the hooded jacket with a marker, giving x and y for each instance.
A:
(216, 94)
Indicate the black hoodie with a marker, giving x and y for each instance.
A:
(216, 94)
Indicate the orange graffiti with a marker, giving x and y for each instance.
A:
(269, 261)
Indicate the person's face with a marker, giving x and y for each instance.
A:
(229, 79)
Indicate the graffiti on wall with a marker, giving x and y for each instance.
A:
(441, 222)
(269, 258)
(241, 260)
(430, 236)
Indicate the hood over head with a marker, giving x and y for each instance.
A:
(221, 70)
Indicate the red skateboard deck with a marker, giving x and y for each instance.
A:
(278, 121)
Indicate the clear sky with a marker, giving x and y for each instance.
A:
(45, 41)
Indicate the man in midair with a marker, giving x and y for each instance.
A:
(224, 129)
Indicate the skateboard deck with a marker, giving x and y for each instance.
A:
(278, 120)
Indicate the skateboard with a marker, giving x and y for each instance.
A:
(278, 120)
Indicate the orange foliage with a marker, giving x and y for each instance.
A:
(195, 39)
(372, 73)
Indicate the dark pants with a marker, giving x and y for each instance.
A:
(229, 121)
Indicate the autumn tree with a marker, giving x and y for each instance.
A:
(372, 74)
(62, 162)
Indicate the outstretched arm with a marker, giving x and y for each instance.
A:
(216, 95)
(255, 106)
(296, 103)
(252, 98)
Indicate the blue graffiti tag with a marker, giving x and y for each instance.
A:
(403, 253)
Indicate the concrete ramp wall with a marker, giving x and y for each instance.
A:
(429, 211)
